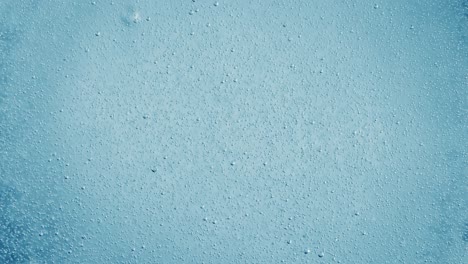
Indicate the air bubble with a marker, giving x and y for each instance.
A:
(135, 17)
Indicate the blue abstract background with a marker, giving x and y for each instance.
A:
(199, 131)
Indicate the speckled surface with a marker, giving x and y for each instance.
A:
(233, 131)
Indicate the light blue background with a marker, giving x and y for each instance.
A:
(239, 132)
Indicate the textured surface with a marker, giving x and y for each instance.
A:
(233, 132)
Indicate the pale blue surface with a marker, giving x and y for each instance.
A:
(233, 131)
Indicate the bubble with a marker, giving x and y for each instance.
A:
(136, 17)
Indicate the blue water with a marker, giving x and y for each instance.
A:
(182, 131)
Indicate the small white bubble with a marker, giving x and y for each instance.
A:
(136, 17)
